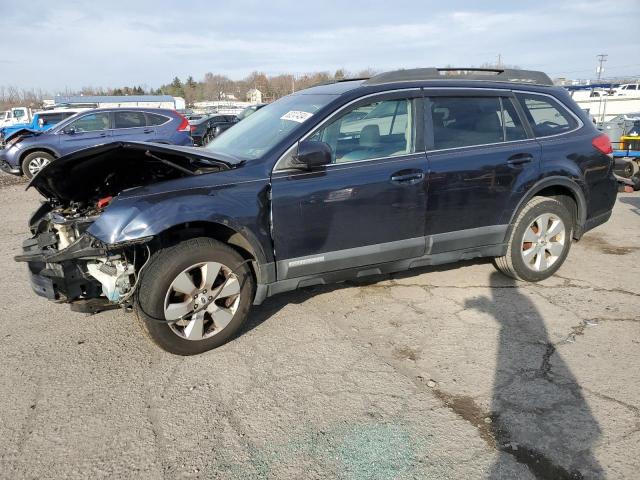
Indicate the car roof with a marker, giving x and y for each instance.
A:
(130, 109)
(62, 110)
(439, 77)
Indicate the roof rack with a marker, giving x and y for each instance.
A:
(464, 73)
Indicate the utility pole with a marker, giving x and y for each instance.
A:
(601, 59)
(499, 60)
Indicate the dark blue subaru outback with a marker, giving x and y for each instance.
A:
(405, 169)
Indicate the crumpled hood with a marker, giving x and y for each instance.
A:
(110, 168)
(7, 133)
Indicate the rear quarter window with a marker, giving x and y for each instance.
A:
(153, 119)
(546, 115)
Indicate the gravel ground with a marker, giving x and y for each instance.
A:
(445, 373)
(8, 180)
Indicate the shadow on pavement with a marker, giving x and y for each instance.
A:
(633, 201)
(272, 305)
(539, 415)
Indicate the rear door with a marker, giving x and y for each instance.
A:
(369, 205)
(88, 130)
(131, 125)
(480, 154)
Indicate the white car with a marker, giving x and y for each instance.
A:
(628, 90)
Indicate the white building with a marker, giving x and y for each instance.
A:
(254, 96)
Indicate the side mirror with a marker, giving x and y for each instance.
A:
(313, 154)
(69, 131)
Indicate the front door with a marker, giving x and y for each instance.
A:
(89, 130)
(369, 205)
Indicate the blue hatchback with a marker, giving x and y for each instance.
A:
(26, 153)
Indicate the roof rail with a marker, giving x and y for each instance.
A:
(464, 73)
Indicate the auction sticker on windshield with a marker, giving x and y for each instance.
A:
(296, 116)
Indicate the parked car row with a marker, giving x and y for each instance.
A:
(205, 128)
(405, 169)
(28, 151)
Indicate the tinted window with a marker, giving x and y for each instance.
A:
(52, 118)
(467, 121)
(513, 129)
(376, 130)
(545, 115)
(154, 119)
(91, 122)
(129, 119)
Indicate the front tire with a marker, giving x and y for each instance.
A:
(34, 162)
(539, 242)
(194, 296)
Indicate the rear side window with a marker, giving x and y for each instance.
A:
(467, 121)
(129, 119)
(154, 119)
(546, 116)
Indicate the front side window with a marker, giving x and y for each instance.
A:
(467, 121)
(545, 115)
(375, 130)
(91, 123)
(52, 118)
(129, 119)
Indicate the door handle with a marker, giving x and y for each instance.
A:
(520, 159)
(407, 177)
(103, 134)
(148, 130)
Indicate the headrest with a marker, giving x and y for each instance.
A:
(370, 136)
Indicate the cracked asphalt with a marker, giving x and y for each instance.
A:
(441, 373)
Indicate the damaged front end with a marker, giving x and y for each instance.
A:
(66, 262)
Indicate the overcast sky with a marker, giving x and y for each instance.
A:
(61, 44)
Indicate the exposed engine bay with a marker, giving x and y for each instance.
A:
(67, 263)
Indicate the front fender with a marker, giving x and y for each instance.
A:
(243, 208)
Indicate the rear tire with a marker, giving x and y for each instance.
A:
(34, 162)
(539, 241)
(162, 290)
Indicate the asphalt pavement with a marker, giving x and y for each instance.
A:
(454, 372)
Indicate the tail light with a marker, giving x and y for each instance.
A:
(184, 125)
(193, 128)
(602, 144)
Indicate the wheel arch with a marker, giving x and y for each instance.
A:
(224, 233)
(34, 149)
(563, 189)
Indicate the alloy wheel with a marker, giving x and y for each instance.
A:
(202, 300)
(543, 242)
(36, 164)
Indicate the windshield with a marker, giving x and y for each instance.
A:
(261, 131)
